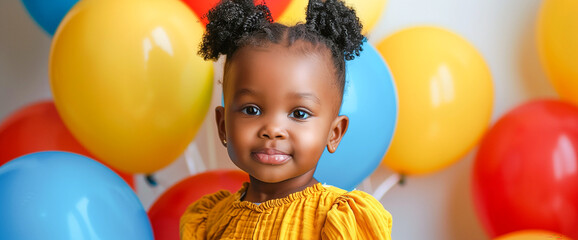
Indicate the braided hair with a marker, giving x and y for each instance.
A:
(234, 24)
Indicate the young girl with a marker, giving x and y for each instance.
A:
(282, 89)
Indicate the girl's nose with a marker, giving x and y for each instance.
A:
(273, 130)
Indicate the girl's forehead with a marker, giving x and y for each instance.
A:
(277, 59)
(279, 67)
(279, 62)
(298, 48)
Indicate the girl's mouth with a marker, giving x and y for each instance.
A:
(271, 156)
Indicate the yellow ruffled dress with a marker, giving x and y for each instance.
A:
(317, 212)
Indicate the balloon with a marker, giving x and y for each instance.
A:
(525, 173)
(60, 195)
(128, 83)
(532, 235)
(37, 127)
(370, 102)
(48, 14)
(368, 11)
(445, 98)
(202, 7)
(167, 210)
(557, 40)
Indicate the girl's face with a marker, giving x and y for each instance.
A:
(281, 107)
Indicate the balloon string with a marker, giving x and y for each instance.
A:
(217, 97)
(201, 167)
(387, 185)
(366, 184)
(151, 180)
(191, 154)
(190, 162)
(212, 148)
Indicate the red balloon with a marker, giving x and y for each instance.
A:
(38, 127)
(525, 173)
(201, 7)
(167, 210)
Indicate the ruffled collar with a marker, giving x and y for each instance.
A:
(318, 187)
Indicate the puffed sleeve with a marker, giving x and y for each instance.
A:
(193, 221)
(357, 215)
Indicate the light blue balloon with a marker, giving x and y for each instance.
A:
(48, 13)
(60, 195)
(370, 102)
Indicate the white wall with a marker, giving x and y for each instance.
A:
(436, 206)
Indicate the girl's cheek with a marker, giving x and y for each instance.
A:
(245, 130)
(312, 137)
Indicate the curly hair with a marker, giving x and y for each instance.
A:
(234, 24)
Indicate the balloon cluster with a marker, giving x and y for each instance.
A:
(526, 171)
(130, 91)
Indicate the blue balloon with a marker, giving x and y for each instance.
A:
(370, 102)
(48, 13)
(60, 195)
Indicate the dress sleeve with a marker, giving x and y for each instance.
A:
(193, 221)
(357, 215)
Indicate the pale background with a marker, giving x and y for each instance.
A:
(435, 206)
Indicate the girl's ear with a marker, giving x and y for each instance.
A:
(337, 131)
(220, 118)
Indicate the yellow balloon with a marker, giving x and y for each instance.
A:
(368, 11)
(445, 95)
(557, 39)
(532, 235)
(127, 81)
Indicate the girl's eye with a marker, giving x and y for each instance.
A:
(251, 110)
(300, 114)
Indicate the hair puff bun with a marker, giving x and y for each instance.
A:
(230, 21)
(338, 23)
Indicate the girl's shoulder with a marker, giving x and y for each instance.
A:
(352, 197)
(194, 217)
(207, 202)
(356, 215)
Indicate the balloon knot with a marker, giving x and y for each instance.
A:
(402, 179)
(151, 180)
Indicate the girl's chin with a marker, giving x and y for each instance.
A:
(268, 179)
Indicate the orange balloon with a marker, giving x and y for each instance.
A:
(368, 11)
(127, 80)
(445, 94)
(557, 40)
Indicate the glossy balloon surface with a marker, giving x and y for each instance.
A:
(38, 127)
(60, 195)
(166, 212)
(525, 174)
(370, 102)
(445, 94)
(128, 82)
(557, 41)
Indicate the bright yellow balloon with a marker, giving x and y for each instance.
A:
(445, 95)
(127, 81)
(557, 38)
(368, 11)
(532, 235)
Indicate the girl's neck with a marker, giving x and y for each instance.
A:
(259, 191)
